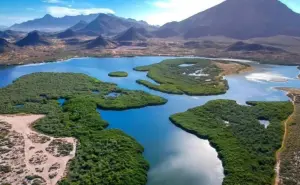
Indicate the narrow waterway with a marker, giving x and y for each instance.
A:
(175, 156)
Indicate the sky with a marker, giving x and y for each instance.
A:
(156, 12)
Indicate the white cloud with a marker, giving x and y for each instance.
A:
(177, 10)
(59, 11)
(53, 1)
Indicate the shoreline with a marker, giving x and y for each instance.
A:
(212, 142)
(244, 60)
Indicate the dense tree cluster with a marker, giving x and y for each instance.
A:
(246, 148)
(201, 77)
(103, 156)
(118, 74)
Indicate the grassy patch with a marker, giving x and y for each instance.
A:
(102, 156)
(118, 74)
(204, 77)
(246, 148)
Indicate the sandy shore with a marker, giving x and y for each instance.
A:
(31, 153)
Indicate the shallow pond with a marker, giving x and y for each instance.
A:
(61, 101)
(176, 157)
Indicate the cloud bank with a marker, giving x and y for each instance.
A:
(60, 11)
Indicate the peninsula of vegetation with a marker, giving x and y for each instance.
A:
(246, 147)
(102, 156)
(190, 76)
(118, 74)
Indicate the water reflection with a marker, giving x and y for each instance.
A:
(192, 161)
(175, 157)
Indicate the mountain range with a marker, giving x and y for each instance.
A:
(240, 19)
(50, 23)
(80, 25)
(109, 24)
(96, 23)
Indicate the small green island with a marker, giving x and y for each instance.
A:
(246, 147)
(102, 156)
(118, 74)
(190, 76)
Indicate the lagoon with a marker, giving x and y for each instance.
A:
(175, 156)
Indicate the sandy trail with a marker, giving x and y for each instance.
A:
(277, 168)
(32, 152)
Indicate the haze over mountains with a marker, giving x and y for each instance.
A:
(239, 19)
(50, 23)
(80, 25)
(110, 24)
(97, 23)
(3, 27)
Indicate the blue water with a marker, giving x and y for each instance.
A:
(112, 95)
(95, 92)
(19, 106)
(186, 65)
(176, 157)
(61, 101)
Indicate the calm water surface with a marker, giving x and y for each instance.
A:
(176, 157)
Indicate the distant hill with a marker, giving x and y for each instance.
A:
(99, 42)
(166, 32)
(66, 34)
(144, 32)
(33, 39)
(240, 19)
(242, 46)
(132, 34)
(3, 27)
(5, 45)
(9, 34)
(110, 24)
(201, 45)
(50, 23)
(80, 25)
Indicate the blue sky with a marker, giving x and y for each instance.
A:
(153, 11)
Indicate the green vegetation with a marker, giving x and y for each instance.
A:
(118, 74)
(246, 148)
(103, 156)
(201, 78)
